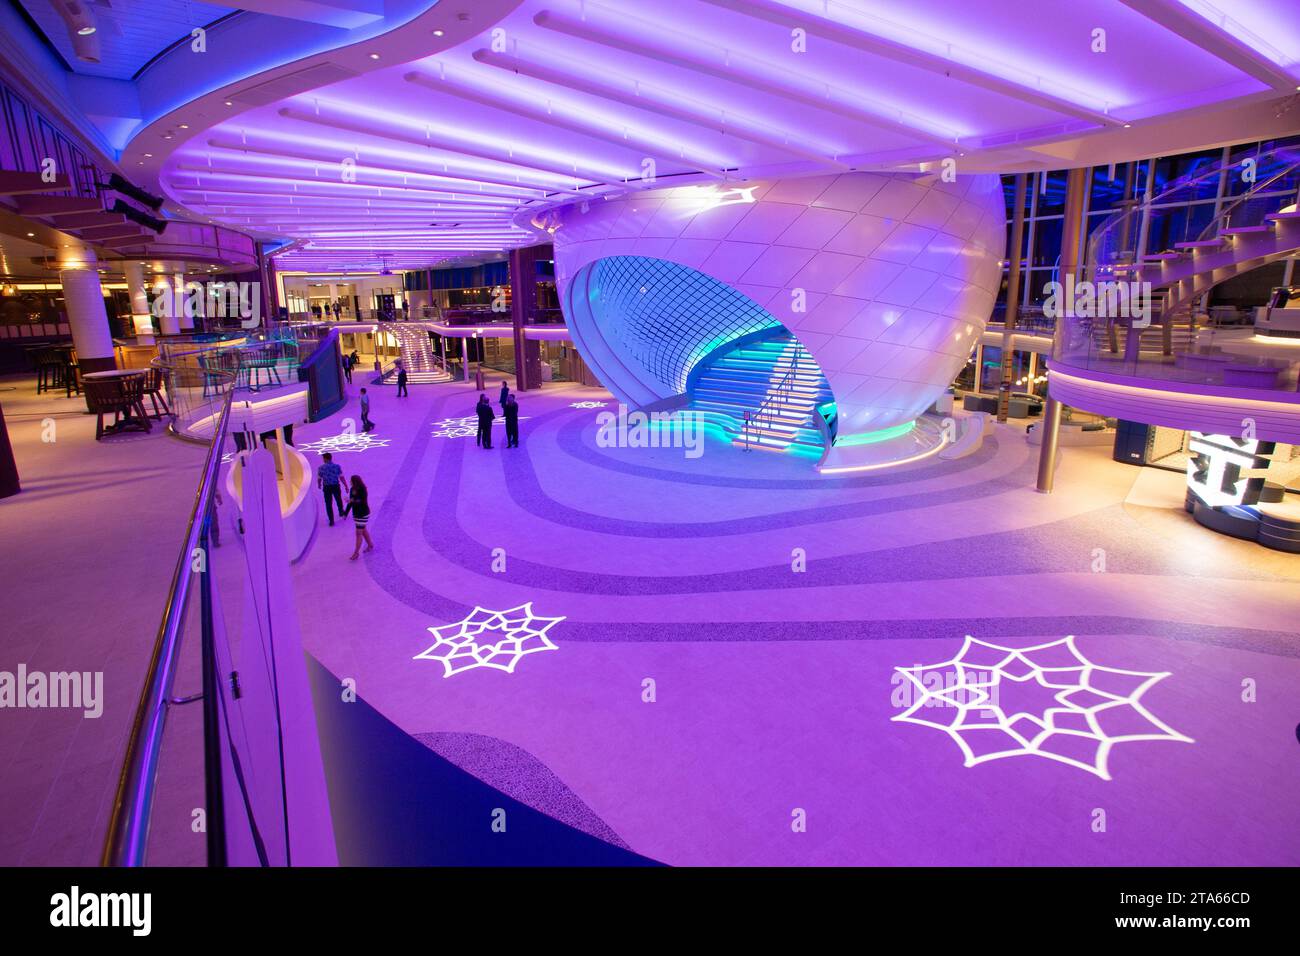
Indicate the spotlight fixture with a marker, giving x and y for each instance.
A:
(120, 185)
(136, 216)
(80, 22)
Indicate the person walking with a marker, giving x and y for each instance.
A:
(366, 423)
(511, 409)
(505, 391)
(328, 478)
(401, 381)
(359, 507)
(485, 417)
(347, 368)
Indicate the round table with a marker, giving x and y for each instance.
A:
(115, 373)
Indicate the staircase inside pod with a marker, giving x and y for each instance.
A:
(765, 394)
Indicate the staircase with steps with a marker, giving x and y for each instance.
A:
(1257, 227)
(1190, 258)
(422, 364)
(764, 394)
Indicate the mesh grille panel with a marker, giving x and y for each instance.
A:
(665, 317)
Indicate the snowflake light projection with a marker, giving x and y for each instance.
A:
(464, 427)
(497, 639)
(1090, 707)
(343, 442)
(588, 404)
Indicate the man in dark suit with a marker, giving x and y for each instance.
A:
(505, 390)
(511, 409)
(485, 417)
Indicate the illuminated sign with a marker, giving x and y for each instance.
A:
(1224, 470)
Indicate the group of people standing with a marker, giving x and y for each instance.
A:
(332, 483)
(509, 410)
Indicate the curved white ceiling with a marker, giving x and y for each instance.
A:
(432, 158)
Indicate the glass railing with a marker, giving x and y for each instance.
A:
(1186, 211)
(159, 800)
(1134, 330)
(203, 780)
(1267, 196)
(1230, 357)
(196, 396)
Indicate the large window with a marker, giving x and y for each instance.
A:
(1114, 188)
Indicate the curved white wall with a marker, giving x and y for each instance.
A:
(897, 274)
(1214, 410)
(298, 505)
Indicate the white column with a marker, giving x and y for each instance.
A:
(83, 298)
(186, 320)
(140, 314)
(167, 323)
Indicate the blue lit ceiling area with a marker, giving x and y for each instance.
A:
(648, 322)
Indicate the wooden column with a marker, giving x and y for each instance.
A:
(523, 312)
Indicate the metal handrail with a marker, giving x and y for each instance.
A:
(128, 827)
(401, 329)
(772, 395)
(1125, 220)
(1223, 220)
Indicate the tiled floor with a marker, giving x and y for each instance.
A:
(774, 689)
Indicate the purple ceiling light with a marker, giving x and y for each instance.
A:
(577, 100)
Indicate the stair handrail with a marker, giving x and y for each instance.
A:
(1224, 219)
(1124, 231)
(1127, 222)
(1123, 221)
(786, 382)
(403, 331)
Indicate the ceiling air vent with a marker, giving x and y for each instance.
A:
(291, 84)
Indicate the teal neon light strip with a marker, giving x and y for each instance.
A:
(870, 438)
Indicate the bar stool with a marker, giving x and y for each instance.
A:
(70, 372)
(49, 370)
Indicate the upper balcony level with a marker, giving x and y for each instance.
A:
(1130, 340)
